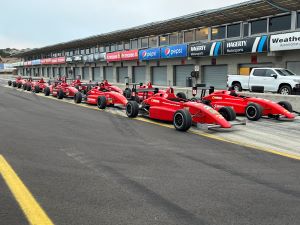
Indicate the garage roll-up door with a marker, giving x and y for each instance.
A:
(139, 74)
(294, 67)
(108, 74)
(85, 73)
(96, 74)
(44, 72)
(62, 71)
(122, 73)
(49, 72)
(215, 76)
(181, 72)
(159, 75)
(55, 72)
(78, 71)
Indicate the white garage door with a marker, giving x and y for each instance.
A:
(96, 74)
(181, 73)
(294, 67)
(159, 75)
(86, 73)
(215, 76)
(122, 73)
(78, 72)
(108, 74)
(62, 71)
(139, 74)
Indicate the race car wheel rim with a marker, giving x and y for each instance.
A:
(178, 120)
(236, 88)
(129, 109)
(285, 91)
(251, 112)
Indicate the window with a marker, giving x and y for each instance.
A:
(67, 53)
(189, 36)
(163, 40)
(246, 29)
(120, 46)
(92, 50)
(201, 34)
(144, 43)
(218, 33)
(87, 51)
(153, 42)
(96, 49)
(280, 23)
(234, 30)
(134, 44)
(126, 46)
(82, 52)
(113, 48)
(263, 73)
(298, 20)
(102, 49)
(173, 39)
(180, 37)
(107, 48)
(259, 26)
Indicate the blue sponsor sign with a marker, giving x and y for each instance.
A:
(176, 51)
(149, 54)
(1, 66)
(36, 62)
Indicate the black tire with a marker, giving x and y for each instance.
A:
(182, 120)
(132, 109)
(237, 87)
(136, 99)
(28, 88)
(78, 98)
(14, 84)
(77, 87)
(60, 94)
(47, 91)
(181, 95)
(19, 85)
(37, 89)
(288, 106)
(127, 93)
(228, 113)
(24, 87)
(101, 102)
(253, 111)
(9, 83)
(285, 90)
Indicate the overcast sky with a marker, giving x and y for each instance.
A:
(37, 23)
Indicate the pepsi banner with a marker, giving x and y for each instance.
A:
(36, 62)
(248, 45)
(149, 54)
(205, 49)
(176, 51)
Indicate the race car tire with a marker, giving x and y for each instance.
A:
(36, 89)
(101, 102)
(14, 84)
(237, 87)
(28, 88)
(181, 95)
(285, 90)
(19, 85)
(288, 106)
(136, 99)
(78, 98)
(24, 87)
(47, 91)
(182, 120)
(228, 113)
(9, 83)
(77, 87)
(127, 93)
(60, 94)
(132, 109)
(253, 111)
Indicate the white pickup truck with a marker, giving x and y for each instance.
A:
(276, 80)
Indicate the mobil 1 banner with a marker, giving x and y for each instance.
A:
(205, 49)
(247, 45)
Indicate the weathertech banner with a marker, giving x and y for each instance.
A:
(281, 42)
(205, 49)
(247, 45)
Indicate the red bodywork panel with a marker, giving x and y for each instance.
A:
(110, 87)
(239, 103)
(68, 90)
(112, 97)
(164, 106)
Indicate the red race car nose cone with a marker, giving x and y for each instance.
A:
(167, 51)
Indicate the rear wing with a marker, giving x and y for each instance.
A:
(203, 88)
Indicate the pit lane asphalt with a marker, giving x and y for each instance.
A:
(91, 167)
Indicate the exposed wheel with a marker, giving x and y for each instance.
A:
(288, 106)
(237, 87)
(181, 95)
(182, 120)
(285, 90)
(28, 88)
(14, 84)
(19, 85)
(101, 102)
(60, 94)
(47, 91)
(24, 87)
(9, 83)
(254, 111)
(132, 109)
(37, 89)
(136, 99)
(127, 93)
(228, 113)
(78, 97)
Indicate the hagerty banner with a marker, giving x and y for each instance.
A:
(205, 49)
(247, 45)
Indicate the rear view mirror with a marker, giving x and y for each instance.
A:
(274, 76)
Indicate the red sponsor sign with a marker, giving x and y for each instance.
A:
(54, 61)
(46, 61)
(130, 55)
(61, 60)
(28, 63)
(113, 57)
(43, 61)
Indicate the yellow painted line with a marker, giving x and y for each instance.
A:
(199, 133)
(31, 208)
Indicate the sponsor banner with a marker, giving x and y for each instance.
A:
(130, 55)
(28, 63)
(176, 51)
(85, 58)
(54, 61)
(1, 66)
(288, 41)
(149, 54)
(77, 58)
(113, 57)
(247, 45)
(61, 60)
(91, 58)
(205, 49)
(69, 59)
(100, 56)
(36, 62)
(46, 61)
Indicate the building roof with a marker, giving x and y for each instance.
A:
(238, 12)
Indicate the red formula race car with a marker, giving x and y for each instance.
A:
(253, 108)
(61, 89)
(182, 112)
(111, 87)
(19, 82)
(101, 96)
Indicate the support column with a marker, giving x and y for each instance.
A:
(148, 74)
(130, 73)
(101, 73)
(91, 73)
(114, 74)
(170, 75)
